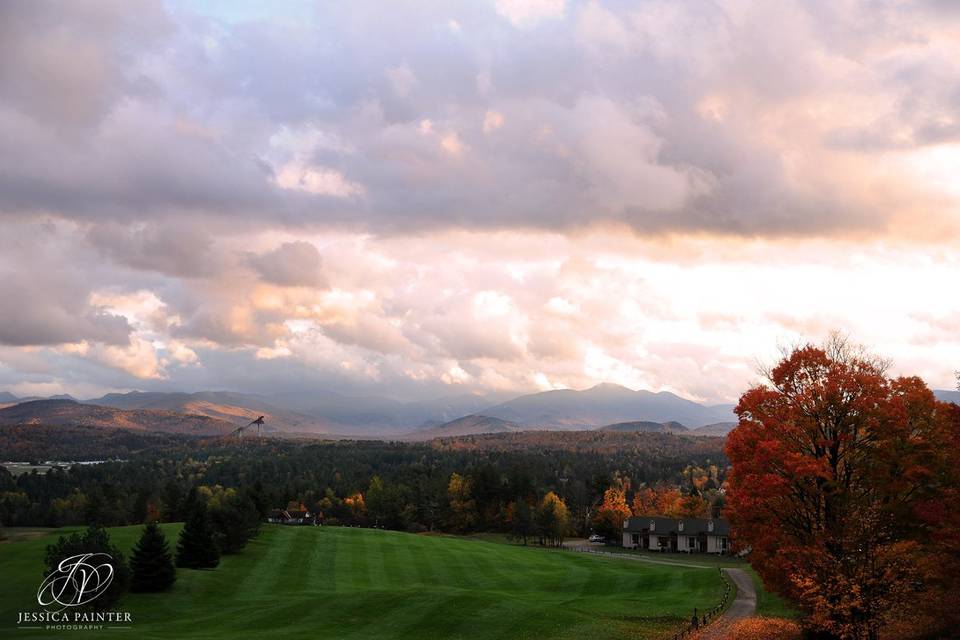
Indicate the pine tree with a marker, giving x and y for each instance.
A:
(152, 562)
(197, 547)
(235, 522)
(95, 540)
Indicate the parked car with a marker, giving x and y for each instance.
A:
(596, 538)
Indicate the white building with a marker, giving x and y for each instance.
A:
(688, 535)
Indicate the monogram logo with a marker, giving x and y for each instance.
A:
(77, 580)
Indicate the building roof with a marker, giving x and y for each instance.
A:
(684, 526)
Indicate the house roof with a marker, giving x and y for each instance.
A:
(665, 526)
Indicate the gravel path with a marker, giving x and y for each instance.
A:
(743, 606)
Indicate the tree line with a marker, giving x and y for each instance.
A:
(408, 487)
(215, 525)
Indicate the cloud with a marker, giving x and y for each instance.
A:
(527, 13)
(291, 264)
(667, 117)
(45, 311)
(174, 249)
(497, 196)
(47, 300)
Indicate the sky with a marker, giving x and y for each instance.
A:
(418, 199)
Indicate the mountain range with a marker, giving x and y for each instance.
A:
(73, 414)
(606, 406)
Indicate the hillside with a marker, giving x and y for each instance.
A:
(73, 443)
(236, 408)
(656, 444)
(71, 413)
(643, 425)
(467, 425)
(605, 404)
(715, 429)
(339, 582)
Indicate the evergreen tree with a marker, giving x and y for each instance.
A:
(95, 540)
(235, 522)
(522, 523)
(151, 562)
(197, 547)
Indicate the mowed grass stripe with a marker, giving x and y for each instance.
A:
(359, 574)
(447, 552)
(262, 556)
(416, 551)
(440, 573)
(398, 572)
(320, 582)
(491, 565)
(295, 567)
(381, 577)
(326, 569)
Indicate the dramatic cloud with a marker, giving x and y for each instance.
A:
(500, 195)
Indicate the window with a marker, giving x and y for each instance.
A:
(691, 542)
(636, 538)
(680, 525)
(653, 525)
(723, 543)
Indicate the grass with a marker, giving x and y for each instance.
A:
(770, 604)
(329, 582)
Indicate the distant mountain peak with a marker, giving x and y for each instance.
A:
(609, 387)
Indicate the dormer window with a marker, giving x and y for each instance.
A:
(710, 526)
(653, 525)
(680, 525)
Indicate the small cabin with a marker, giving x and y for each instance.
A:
(296, 513)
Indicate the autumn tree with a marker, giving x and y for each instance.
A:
(644, 502)
(608, 521)
(463, 509)
(667, 502)
(356, 506)
(831, 459)
(552, 520)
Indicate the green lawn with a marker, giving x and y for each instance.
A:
(328, 582)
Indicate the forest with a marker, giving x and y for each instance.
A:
(473, 483)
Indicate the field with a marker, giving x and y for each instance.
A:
(768, 603)
(329, 582)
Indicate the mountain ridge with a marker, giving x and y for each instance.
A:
(72, 413)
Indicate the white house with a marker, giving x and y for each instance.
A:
(688, 535)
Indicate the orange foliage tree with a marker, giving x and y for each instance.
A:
(664, 501)
(644, 502)
(610, 516)
(831, 462)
